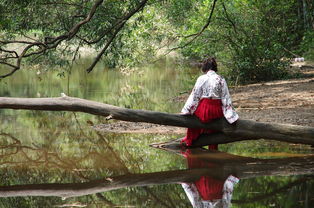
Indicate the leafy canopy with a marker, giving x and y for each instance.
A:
(250, 38)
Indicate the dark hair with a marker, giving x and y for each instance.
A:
(209, 64)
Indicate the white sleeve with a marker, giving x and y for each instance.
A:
(227, 190)
(228, 110)
(194, 98)
(192, 193)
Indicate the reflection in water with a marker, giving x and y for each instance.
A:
(207, 177)
(208, 191)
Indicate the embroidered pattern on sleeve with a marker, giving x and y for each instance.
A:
(194, 98)
(227, 108)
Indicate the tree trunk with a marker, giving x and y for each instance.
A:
(240, 130)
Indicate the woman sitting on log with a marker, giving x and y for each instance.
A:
(210, 99)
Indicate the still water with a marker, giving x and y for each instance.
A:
(56, 159)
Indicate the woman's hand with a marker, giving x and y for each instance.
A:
(184, 114)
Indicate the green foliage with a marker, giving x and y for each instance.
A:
(307, 45)
(251, 39)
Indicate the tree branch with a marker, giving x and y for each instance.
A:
(53, 42)
(196, 35)
(49, 42)
(76, 28)
(9, 52)
(140, 6)
(228, 18)
(207, 23)
(98, 57)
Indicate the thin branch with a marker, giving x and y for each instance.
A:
(49, 42)
(9, 51)
(140, 6)
(228, 18)
(15, 68)
(207, 23)
(76, 28)
(118, 23)
(53, 42)
(5, 63)
(28, 37)
(35, 52)
(18, 41)
(98, 57)
(294, 54)
(196, 35)
(76, 52)
(105, 32)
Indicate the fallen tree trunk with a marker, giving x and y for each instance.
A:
(241, 130)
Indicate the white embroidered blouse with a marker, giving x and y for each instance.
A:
(211, 85)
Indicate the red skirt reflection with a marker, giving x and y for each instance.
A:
(208, 187)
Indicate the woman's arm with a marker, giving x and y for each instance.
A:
(227, 108)
(192, 193)
(194, 98)
(228, 190)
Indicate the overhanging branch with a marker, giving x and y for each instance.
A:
(196, 35)
(119, 26)
(49, 43)
(53, 42)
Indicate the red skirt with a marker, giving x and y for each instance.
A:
(207, 110)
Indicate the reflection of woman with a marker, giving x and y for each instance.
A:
(210, 99)
(208, 192)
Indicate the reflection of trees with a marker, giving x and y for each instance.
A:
(282, 189)
(15, 154)
(108, 156)
(224, 168)
(155, 198)
(103, 155)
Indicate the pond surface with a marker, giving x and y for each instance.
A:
(56, 159)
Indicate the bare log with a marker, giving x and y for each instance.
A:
(240, 130)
